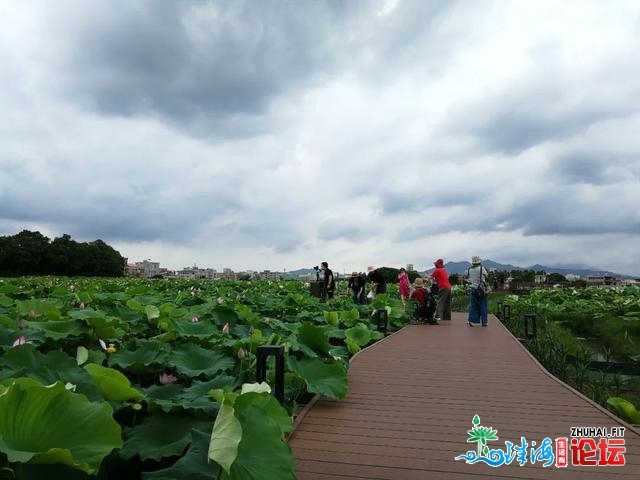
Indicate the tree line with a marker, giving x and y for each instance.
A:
(31, 253)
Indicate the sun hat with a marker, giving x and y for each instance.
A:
(439, 263)
(370, 269)
(354, 274)
(475, 260)
(418, 282)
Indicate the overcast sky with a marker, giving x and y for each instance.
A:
(278, 134)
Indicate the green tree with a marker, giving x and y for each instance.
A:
(556, 278)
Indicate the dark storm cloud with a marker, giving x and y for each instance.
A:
(594, 167)
(199, 61)
(119, 218)
(560, 214)
(511, 127)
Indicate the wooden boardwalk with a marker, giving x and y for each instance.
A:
(412, 398)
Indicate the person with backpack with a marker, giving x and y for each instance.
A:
(477, 276)
(441, 277)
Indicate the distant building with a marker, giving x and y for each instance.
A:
(540, 277)
(146, 269)
(269, 275)
(409, 267)
(600, 280)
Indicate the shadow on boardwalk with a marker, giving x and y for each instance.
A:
(412, 398)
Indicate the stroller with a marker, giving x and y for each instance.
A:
(426, 307)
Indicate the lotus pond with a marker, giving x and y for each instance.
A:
(156, 379)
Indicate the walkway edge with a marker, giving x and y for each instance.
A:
(307, 408)
(566, 385)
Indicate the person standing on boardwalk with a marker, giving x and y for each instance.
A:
(329, 281)
(441, 277)
(477, 276)
(403, 285)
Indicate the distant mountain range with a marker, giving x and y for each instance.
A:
(461, 267)
(582, 270)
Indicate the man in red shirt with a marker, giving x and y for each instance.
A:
(441, 277)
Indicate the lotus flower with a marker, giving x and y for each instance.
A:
(220, 300)
(72, 287)
(167, 378)
(81, 305)
(195, 319)
(225, 329)
(241, 353)
(110, 349)
(20, 341)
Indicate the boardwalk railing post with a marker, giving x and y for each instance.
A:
(506, 310)
(263, 353)
(500, 305)
(382, 318)
(530, 329)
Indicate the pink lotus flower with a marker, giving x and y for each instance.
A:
(225, 329)
(195, 319)
(81, 305)
(167, 378)
(241, 353)
(20, 341)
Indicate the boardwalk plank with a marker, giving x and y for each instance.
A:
(411, 400)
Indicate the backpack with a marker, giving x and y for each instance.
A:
(483, 288)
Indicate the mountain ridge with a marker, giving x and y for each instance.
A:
(461, 267)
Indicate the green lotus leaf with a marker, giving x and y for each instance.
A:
(350, 317)
(60, 329)
(162, 436)
(48, 308)
(82, 355)
(6, 301)
(263, 453)
(332, 318)
(196, 398)
(113, 384)
(50, 424)
(192, 361)
(167, 397)
(187, 329)
(225, 438)
(626, 410)
(314, 338)
(107, 327)
(324, 377)
(223, 314)
(7, 322)
(352, 346)
(194, 465)
(138, 360)
(152, 312)
(26, 361)
(361, 334)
